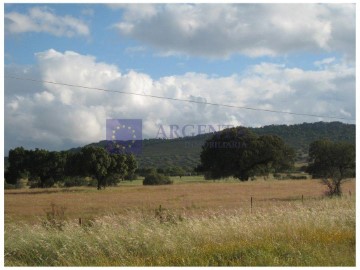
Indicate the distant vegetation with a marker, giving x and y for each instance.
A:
(92, 165)
(240, 153)
(185, 152)
(44, 169)
(188, 221)
(155, 178)
(300, 136)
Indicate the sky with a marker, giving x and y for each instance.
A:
(297, 58)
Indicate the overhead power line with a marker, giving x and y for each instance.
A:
(177, 99)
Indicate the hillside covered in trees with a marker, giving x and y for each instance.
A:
(185, 152)
(300, 136)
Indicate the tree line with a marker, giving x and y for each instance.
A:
(44, 168)
(240, 153)
(234, 152)
(185, 152)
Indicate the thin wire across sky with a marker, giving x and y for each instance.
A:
(176, 99)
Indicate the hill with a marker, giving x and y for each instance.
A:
(301, 135)
(185, 152)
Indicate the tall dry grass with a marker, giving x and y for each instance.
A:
(318, 232)
(28, 205)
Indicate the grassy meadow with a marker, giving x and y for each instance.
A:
(191, 223)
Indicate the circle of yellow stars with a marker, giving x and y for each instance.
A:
(119, 128)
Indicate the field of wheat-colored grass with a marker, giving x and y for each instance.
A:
(198, 224)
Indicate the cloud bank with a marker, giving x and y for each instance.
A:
(59, 117)
(219, 31)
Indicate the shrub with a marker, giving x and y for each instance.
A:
(92, 182)
(131, 177)
(113, 179)
(75, 182)
(297, 177)
(48, 182)
(37, 182)
(34, 183)
(21, 183)
(8, 186)
(157, 179)
(208, 176)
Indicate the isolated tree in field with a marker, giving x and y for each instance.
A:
(240, 153)
(333, 162)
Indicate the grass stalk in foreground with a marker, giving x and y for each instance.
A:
(318, 234)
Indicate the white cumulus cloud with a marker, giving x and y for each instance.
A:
(59, 116)
(220, 30)
(43, 19)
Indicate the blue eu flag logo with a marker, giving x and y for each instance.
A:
(124, 136)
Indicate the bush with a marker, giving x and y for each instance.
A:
(297, 177)
(92, 182)
(21, 183)
(37, 183)
(34, 183)
(49, 182)
(208, 176)
(8, 186)
(75, 182)
(131, 177)
(157, 179)
(113, 179)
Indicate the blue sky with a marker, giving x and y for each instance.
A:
(297, 58)
(107, 45)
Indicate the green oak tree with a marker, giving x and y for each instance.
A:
(242, 154)
(95, 162)
(117, 170)
(44, 168)
(333, 162)
(17, 165)
(132, 165)
(39, 165)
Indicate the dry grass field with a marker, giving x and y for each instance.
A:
(29, 204)
(200, 223)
